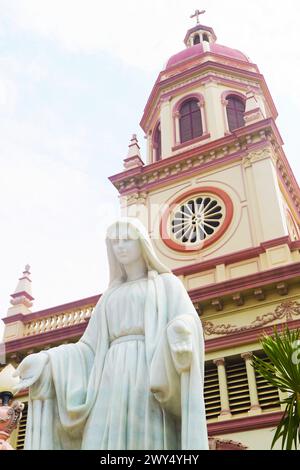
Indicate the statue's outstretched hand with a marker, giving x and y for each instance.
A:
(181, 345)
(29, 370)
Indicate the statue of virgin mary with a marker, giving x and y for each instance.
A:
(135, 378)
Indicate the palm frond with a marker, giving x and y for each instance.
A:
(281, 368)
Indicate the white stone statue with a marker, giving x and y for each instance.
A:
(135, 378)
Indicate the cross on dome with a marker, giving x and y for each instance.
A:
(200, 33)
(197, 14)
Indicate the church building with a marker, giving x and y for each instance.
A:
(222, 206)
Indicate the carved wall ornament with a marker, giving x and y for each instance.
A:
(136, 198)
(285, 311)
(257, 156)
(247, 356)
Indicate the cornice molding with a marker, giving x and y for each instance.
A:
(248, 253)
(235, 425)
(244, 283)
(231, 146)
(43, 339)
(247, 144)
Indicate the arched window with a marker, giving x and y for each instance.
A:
(157, 143)
(205, 38)
(235, 112)
(196, 39)
(190, 122)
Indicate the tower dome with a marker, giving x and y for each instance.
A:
(204, 93)
(198, 50)
(200, 40)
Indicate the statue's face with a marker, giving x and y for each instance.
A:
(126, 245)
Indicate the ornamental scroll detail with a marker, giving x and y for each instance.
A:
(258, 155)
(286, 310)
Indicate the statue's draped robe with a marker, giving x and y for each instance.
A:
(95, 394)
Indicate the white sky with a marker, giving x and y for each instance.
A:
(75, 76)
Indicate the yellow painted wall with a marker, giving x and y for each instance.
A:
(257, 439)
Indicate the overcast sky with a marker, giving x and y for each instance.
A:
(75, 76)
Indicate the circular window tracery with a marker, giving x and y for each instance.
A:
(196, 219)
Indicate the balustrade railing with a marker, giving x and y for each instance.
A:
(58, 320)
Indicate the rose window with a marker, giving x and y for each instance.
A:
(196, 219)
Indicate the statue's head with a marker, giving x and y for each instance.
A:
(127, 242)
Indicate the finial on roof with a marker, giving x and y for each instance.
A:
(21, 299)
(253, 109)
(133, 148)
(133, 158)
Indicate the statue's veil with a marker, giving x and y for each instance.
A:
(116, 271)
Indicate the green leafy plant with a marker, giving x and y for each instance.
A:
(281, 369)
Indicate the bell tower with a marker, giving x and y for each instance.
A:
(216, 190)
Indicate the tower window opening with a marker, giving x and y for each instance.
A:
(235, 112)
(196, 39)
(205, 38)
(190, 121)
(157, 143)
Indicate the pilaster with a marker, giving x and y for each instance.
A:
(166, 128)
(215, 121)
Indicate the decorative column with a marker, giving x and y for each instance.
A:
(166, 124)
(224, 398)
(201, 104)
(255, 408)
(176, 117)
(224, 105)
